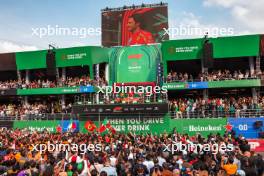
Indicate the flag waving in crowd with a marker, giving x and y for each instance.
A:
(104, 126)
(90, 126)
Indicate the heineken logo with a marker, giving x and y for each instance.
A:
(200, 128)
(40, 129)
(71, 90)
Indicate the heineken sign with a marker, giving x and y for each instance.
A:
(202, 126)
(186, 85)
(48, 125)
(56, 90)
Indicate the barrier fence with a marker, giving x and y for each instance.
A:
(250, 128)
(157, 123)
(236, 113)
(136, 112)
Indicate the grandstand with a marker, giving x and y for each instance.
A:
(205, 78)
(139, 105)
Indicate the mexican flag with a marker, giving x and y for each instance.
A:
(104, 126)
(112, 129)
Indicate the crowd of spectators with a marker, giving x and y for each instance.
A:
(217, 107)
(37, 109)
(41, 83)
(210, 76)
(126, 155)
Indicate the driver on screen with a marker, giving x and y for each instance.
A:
(139, 36)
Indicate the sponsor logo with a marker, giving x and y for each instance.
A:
(70, 90)
(117, 109)
(40, 129)
(171, 50)
(135, 56)
(73, 56)
(198, 128)
(228, 127)
(134, 67)
(186, 49)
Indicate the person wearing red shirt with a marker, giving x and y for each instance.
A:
(139, 36)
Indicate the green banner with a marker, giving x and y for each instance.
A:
(236, 46)
(155, 125)
(234, 83)
(134, 64)
(49, 125)
(49, 91)
(31, 60)
(202, 126)
(176, 86)
(79, 56)
(223, 47)
(213, 84)
(100, 55)
(68, 57)
(174, 50)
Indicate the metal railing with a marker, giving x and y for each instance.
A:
(206, 80)
(249, 113)
(47, 116)
(239, 113)
(103, 99)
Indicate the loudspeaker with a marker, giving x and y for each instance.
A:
(51, 63)
(258, 124)
(208, 60)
